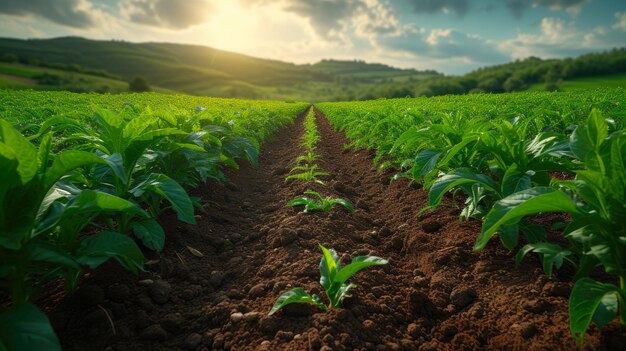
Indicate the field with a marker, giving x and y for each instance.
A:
(161, 222)
(20, 76)
(609, 81)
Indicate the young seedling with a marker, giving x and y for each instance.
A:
(309, 158)
(333, 279)
(308, 174)
(323, 204)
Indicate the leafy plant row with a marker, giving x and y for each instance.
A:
(77, 192)
(510, 168)
(333, 277)
(307, 168)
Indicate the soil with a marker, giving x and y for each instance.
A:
(18, 79)
(214, 283)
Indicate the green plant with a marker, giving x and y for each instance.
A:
(308, 173)
(323, 204)
(333, 279)
(40, 220)
(124, 141)
(309, 158)
(595, 200)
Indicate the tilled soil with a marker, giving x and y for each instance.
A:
(435, 294)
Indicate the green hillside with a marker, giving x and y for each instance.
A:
(604, 81)
(202, 70)
(107, 66)
(20, 76)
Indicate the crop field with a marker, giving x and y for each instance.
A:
(165, 222)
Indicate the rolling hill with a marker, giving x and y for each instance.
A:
(202, 70)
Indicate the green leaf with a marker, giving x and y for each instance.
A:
(458, 148)
(54, 121)
(618, 166)
(150, 233)
(584, 301)
(425, 162)
(297, 295)
(607, 310)
(552, 255)
(328, 267)
(96, 201)
(509, 235)
(597, 128)
(97, 249)
(346, 204)
(358, 263)
(25, 327)
(158, 134)
(341, 294)
(9, 177)
(116, 163)
(299, 201)
(67, 161)
(170, 190)
(515, 180)
(454, 179)
(24, 152)
(314, 193)
(516, 206)
(38, 250)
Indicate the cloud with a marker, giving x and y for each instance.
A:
(327, 18)
(442, 45)
(70, 13)
(562, 39)
(518, 7)
(171, 14)
(460, 7)
(621, 21)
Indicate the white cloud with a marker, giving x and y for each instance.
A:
(561, 39)
(621, 21)
(166, 13)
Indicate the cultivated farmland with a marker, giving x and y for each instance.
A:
(150, 221)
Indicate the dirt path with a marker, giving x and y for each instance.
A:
(434, 294)
(23, 80)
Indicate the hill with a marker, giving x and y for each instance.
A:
(533, 72)
(202, 70)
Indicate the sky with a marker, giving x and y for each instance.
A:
(450, 36)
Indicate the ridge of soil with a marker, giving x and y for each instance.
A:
(23, 80)
(435, 294)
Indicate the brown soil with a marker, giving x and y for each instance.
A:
(435, 294)
(18, 79)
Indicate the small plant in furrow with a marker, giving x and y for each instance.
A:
(323, 204)
(306, 169)
(308, 173)
(333, 279)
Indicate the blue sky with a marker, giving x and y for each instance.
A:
(451, 36)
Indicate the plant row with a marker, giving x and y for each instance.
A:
(333, 277)
(509, 169)
(77, 192)
(307, 170)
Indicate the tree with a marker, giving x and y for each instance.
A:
(138, 85)
(513, 83)
(11, 58)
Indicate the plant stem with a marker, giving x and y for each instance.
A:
(622, 301)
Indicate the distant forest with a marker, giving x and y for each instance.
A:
(519, 75)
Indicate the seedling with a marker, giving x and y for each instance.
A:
(308, 174)
(323, 204)
(333, 279)
(310, 158)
